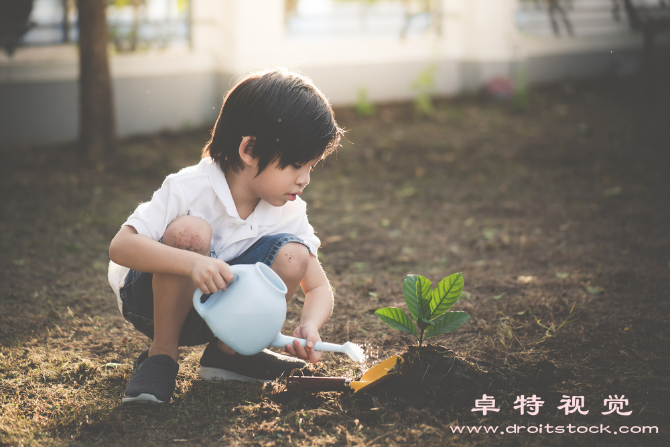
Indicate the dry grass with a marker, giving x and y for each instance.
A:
(509, 198)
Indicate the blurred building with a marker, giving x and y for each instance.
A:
(173, 60)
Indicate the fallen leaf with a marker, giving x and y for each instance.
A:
(562, 275)
(407, 192)
(334, 238)
(489, 233)
(97, 265)
(611, 192)
(373, 294)
(497, 297)
(526, 279)
(594, 290)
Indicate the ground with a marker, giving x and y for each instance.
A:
(555, 208)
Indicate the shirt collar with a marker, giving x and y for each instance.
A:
(263, 214)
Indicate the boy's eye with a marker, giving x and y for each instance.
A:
(297, 166)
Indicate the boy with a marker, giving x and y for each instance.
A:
(239, 205)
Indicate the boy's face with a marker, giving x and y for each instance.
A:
(278, 186)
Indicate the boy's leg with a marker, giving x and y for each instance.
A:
(289, 258)
(291, 265)
(172, 293)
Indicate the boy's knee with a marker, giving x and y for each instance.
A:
(189, 233)
(292, 261)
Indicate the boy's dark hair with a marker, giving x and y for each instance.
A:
(289, 119)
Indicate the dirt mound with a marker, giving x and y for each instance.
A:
(434, 378)
(430, 377)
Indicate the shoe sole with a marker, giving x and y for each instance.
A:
(143, 398)
(216, 374)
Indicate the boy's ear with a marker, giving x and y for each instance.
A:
(246, 150)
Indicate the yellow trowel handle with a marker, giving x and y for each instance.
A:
(308, 383)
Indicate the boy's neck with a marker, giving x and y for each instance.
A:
(238, 183)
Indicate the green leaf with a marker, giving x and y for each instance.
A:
(594, 290)
(424, 294)
(446, 323)
(397, 319)
(409, 287)
(423, 323)
(447, 292)
(417, 295)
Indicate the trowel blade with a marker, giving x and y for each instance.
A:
(377, 373)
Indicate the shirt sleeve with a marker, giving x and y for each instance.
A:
(152, 218)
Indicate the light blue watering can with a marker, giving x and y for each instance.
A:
(249, 314)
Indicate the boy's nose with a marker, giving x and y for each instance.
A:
(303, 179)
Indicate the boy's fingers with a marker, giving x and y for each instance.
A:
(226, 273)
(300, 350)
(211, 286)
(203, 287)
(220, 282)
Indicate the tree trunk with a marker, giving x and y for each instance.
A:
(97, 129)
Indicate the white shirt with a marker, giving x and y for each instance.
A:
(202, 191)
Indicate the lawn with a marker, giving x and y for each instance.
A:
(556, 211)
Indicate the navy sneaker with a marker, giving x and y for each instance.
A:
(265, 366)
(154, 380)
(139, 360)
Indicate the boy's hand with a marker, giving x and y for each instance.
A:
(307, 352)
(211, 274)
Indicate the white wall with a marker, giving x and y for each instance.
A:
(181, 88)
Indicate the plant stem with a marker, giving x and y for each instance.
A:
(421, 338)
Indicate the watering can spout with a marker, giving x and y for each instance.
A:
(354, 351)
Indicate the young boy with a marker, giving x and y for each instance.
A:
(240, 205)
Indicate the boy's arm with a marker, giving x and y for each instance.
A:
(315, 312)
(141, 253)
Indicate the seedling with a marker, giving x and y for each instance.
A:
(428, 307)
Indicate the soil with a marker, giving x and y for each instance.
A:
(555, 210)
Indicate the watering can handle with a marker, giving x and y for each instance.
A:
(282, 340)
(201, 307)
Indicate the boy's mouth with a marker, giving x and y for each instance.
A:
(292, 197)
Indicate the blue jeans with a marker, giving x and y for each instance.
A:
(138, 297)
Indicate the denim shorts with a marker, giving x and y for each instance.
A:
(138, 298)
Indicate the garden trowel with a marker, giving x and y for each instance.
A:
(372, 377)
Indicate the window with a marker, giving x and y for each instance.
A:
(132, 24)
(343, 19)
(571, 17)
